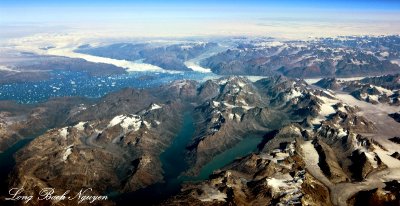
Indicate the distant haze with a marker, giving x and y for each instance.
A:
(287, 19)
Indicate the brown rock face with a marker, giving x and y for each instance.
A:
(315, 192)
(257, 179)
(389, 195)
(113, 155)
(26, 121)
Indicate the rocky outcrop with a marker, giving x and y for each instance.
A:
(395, 116)
(344, 155)
(375, 90)
(329, 163)
(222, 121)
(391, 82)
(395, 140)
(389, 195)
(27, 121)
(316, 193)
(242, 109)
(112, 155)
(329, 83)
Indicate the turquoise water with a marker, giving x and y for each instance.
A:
(243, 148)
(173, 158)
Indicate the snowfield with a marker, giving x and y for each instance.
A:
(126, 122)
(154, 107)
(64, 132)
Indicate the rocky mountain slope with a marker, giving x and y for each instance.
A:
(26, 121)
(340, 57)
(343, 159)
(317, 146)
(110, 155)
(375, 90)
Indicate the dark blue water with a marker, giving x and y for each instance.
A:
(7, 163)
(173, 163)
(70, 83)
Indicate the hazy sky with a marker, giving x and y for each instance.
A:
(384, 4)
(286, 18)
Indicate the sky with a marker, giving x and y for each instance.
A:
(285, 18)
(388, 4)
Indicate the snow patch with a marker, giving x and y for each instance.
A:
(64, 132)
(126, 122)
(247, 107)
(211, 194)
(383, 90)
(293, 93)
(277, 185)
(269, 44)
(241, 84)
(68, 151)
(237, 117)
(286, 187)
(342, 132)
(80, 126)
(222, 81)
(312, 81)
(148, 125)
(215, 104)
(228, 105)
(154, 106)
(384, 54)
(326, 109)
(196, 67)
(396, 61)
